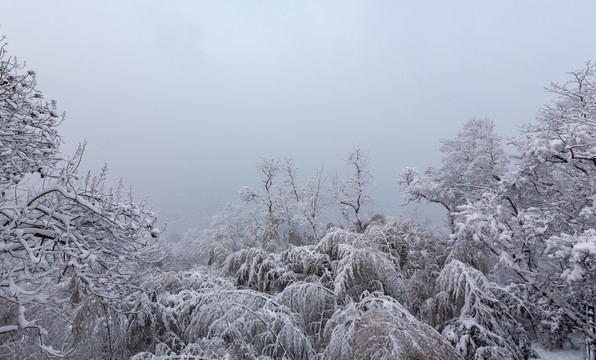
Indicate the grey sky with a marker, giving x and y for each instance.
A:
(181, 98)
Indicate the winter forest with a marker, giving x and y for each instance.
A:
(300, 266)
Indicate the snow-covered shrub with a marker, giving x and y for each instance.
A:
(314, 303)
(359, 266)
(473, 318)
(150, 324)
(420, 252)
(306, 261)
(378, 327)
(244, 323)
(258, 269)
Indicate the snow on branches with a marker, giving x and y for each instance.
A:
(473, 315)
(474, 162)
(67, 236)
(28, 136)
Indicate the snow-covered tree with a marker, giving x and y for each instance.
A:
(267, 201)
(62, 235)
(557, 170)
(29, 139)
(284, 209)
(534, 212)
(474, 162)
(310, 202)
(351, 193)
(538, 221)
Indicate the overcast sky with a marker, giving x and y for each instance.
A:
(181, 98)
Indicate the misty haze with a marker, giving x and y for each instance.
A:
(297, 180)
